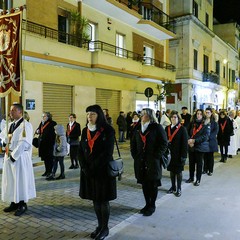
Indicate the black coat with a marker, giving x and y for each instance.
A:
(213, 144)
(73, 136)
(147, 162)
(223, 137)
(95, 184)
(201, 138)
(179, 149)
(46, 139)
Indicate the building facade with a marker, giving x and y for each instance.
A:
(207, 65)
(125, 50)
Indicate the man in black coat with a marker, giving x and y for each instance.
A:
(73, 134)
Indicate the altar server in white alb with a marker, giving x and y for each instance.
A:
(18, 184)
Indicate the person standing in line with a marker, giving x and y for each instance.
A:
(18, 183)
(165, 120)
(213, 145)
(199, 133)
(237, 119)
(148, 144)
(178, 144)
(47, 137)
(186, 117)
(135, 121)
(109, 119)
(59, 152)
(233, 146)
(73, 134)
(224, 134)
(122, 126)
(96, 151)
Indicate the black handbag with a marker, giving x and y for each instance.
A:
(35, 142)
(166, 158)
(115, 166)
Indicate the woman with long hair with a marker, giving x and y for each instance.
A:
(198, 133)
(96, 150)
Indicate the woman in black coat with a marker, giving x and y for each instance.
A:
(198, 144)
(96, 150)
(46, 139)
(224, 134)
(213, 145)
(178, 144)
(148, 144)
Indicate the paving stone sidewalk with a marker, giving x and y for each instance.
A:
(59, 213)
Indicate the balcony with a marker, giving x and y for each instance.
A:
(96, 55)
(210, 77)
(143, 16)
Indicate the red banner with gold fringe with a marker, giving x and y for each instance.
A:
(10, 54)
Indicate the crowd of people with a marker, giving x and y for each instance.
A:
(196, 137)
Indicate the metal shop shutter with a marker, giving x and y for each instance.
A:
(57, 99)
(109, 99)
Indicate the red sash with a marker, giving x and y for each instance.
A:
(92, 140)
(143, 137)
(223, 125)
(43, 127)
(195, 131)
(170, 137)
(68, 130)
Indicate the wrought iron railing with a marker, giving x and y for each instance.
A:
(70, 39)
(150, 12)
(210, 77)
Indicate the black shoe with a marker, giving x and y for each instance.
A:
(149, 211)
(143, 209)
(62, 176)
(95, 233)
(76, 166)
(210, 174)
(189, 180)
(21, 209)
(50, 178)
(71, 167)
(13, 207)
(178, 193)
(171, 190)
(230, 156)
(204, 172)
(102, 234)
(197, 183)
(44, 175)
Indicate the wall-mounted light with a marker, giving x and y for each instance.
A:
(109, 21)
(225, 61)
(46, 53)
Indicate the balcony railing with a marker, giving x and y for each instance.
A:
(150, 12)
(117, 51)
(211, 77)
(157, 63)
(47, 32)
(66, 38)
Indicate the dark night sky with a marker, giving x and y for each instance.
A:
(227, 10)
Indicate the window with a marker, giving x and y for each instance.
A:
(92, 34)
(207, 20)
(205, 63)
(120, 44)
(195, 9)
(224, 71)
(6, 5)
(148, 54)
(62, 28)
(195, 61)
(217, 70)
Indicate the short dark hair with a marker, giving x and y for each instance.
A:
(184, 108)
(18, 106)
(73, 115)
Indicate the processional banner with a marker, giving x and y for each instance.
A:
(10, 54)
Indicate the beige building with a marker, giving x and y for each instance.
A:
(128, 52)
(207, 65)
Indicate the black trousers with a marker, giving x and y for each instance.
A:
(195, 162)
(224, 153)
(48, 164)
(208, 162)
(55, 165)
(74, 155)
